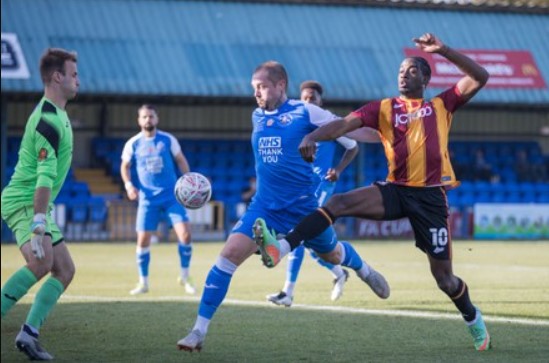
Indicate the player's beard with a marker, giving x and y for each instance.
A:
(149, 127)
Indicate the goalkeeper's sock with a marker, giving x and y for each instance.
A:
(215, 289)
(295, 259)
(16, 287)
(143, 255)
(45, 300)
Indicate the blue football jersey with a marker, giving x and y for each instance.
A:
(284, 179)
(153, 159)
(324, 158)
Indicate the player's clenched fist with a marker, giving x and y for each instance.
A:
(430, 43)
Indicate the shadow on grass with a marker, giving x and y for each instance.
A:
(148, 332)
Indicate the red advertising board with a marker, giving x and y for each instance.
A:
(507, 68)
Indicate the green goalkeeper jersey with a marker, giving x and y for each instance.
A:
(45, 157)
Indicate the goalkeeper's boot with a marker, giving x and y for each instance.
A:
(377, 283)
(267, 243)
(339, 283)
(281, 298)
(27, 342)
(140, 289)
(188, 284)
(480, 334)
(192, 342)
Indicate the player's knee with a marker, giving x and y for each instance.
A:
(333, 257)
(335, 205)
(446, 283)
(65, 275)
(40, 268)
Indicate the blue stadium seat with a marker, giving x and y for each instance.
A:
(97, 209)
(101, 147)
(80, 190)
(14, 143)
(498, 197)
(79, 208)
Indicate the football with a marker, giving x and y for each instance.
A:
(193, 190)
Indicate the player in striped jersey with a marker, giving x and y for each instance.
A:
(414, 132)
(44, 160)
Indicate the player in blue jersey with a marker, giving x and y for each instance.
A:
(286, 188)
(153, 152)
(311, 92)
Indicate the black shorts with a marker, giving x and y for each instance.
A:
(427, 209)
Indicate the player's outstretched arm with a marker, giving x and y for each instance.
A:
(330, 131)
(475, 75)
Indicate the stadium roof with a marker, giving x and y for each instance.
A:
(529, 6)
(209, 49)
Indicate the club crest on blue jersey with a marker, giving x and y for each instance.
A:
(286, 120)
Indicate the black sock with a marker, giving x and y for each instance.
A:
(310, 227)
(463, 302)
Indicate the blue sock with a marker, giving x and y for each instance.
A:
(351, 259)
(143, 256)
(294, 263)
(185, 254)
(320, 261)
(215, 290)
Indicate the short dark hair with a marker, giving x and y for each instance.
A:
(276, 71)
(147, 106)
(53, 60)
(424, 67)
(312, 84)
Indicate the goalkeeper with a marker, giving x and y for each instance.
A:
(44, 160)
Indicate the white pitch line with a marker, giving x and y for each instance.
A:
(338, 309)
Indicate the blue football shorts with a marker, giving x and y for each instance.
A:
(282, 222)
(149, 215)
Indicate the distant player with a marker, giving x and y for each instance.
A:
(153, 153)
(312, 92)
(414, 132)
(285, 193)
(45, 157)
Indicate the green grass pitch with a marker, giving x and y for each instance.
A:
(98, 321)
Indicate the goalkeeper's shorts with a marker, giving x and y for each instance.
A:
(20, 221)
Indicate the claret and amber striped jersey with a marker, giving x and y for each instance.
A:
(414, 133)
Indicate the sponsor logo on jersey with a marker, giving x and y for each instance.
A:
(42, 154)
(270, 122)
(270, 148)
(406, 118)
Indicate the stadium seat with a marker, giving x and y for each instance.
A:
(80, 190)
(97, 209)
(79, 208)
